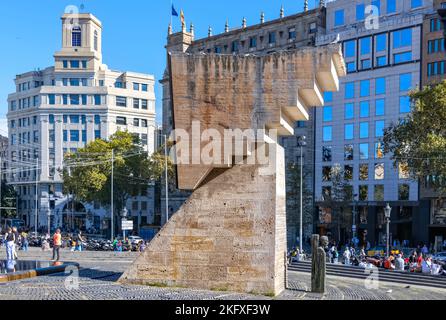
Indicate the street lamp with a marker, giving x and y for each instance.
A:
(301, 141)
(49, 220)
(124, 216)
(387, 211)
(354, 226)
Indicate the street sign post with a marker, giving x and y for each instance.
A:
(127, 224)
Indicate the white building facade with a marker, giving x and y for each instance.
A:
(63, 108)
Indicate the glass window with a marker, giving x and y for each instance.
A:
(348, 152)
(380, 107)
(74, 82)
(97, 119)
(348, 172)
(144, 104)
(136, 86)
(379, 192)
(118, 84)
(405, 81)
(292, 33)
(135, 103)
(366, 64)
(349, 132)
(391, 6)
(121, 101)
(65, 118)
(65, 64)
(136, 122)
(404, 104)
(272, 37)
(379, 128)
(403, 192)
(52, 136)
(364, 130)
(327, 133)
(349, 111)
(97, 134)
(144, 123)
(365, 88)
(349, 48)
(84, 99)
(381, 61)
(74, 119)
(51, 118)
(360, 12)
(76, 37)
(326, 174)
(84, 135)
(65, 135)
(364, 151)
(402, 38)
(402, 57)
(363, 193)
(351, 66)
(380, 86)
(65, 99)
(74, 99)
(403, 171)
(84, 64)
(339, 17)
(84, 119)
(363, 172)
(381, 42)
(74, 64)
(364, 109)
(379, 150)
(365, 45)
(51, 99)
(121, 120)
(74, 135)
(328, 96)
(349, 90)
(327, 114)
(97, 100)
(144, 87)
(327, 154)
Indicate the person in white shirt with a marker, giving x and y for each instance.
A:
(399, 263)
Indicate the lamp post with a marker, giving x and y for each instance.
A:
(49, 220)
(355, 213)
(301, 141)
(124, 216)
(387, 211)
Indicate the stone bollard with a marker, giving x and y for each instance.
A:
(318, 263)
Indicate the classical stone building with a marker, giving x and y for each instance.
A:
(267, 36)
(64, 107)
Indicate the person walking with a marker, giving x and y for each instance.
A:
(79, 241)
(424, 250)
(10, 244)
(25, 242)
(347, 255)
(399, 263)
(16, 242)
(57, 243)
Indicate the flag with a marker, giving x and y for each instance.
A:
(174, 12)
(183, 23)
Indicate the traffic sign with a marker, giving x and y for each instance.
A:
(127, 224)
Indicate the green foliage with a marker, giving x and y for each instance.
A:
(419, 140)
(8, 199)
(87, 173)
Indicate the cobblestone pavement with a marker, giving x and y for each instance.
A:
(100, 270)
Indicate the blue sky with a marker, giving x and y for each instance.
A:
(134, 32)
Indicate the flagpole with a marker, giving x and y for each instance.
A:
(171, 6)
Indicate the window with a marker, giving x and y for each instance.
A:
(349, 111)
(363, 193)
(381, 42)
(403, 192)
(380, 107)
(65, 99)
(351, 66)
(379, 192)
(74, 99)
(416, 3)
(97, 119)
(349, 49)
(403, 171)
(51, 118)
(101, 83)
(234, 46)
(144, 123)
(144, 104)
(65, 118)
(74, 119)
(51, 135)
(97, 134)
(327, 114)
(136, 122)
(73, 82)
(121, 120)
(360, 12)
(348, 134)
(121, 101)
(326, 174)
(365, 88)
(349, 90)
(84, 82)
(327, 133)
(405, 81)
(381, 61)
(136, 86)
(404, 104)
(84, 135)
(366, 64)
(135, 103)
(84, 99)
(118, 84)
(402, 38)
(76, 37)
(326, 154)
(436, 25)
(364, 109)
(74, 64)
(364, 151)
(65, 64)
(379, 128)
(51, 99)
(348, 152)
(364, 130)
(144, 87)
(363, 172)
(144, 139)
(402, 57)
(84, 119)
(365, 45)
(391, 6)
(65, 136)
(292, 33)
(272, 38)
(97, 100)
(74, 135)
(380, 86)
(379, 150)
(339, 18)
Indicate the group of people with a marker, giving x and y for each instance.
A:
(14, 241)
(420, 262)
(118, 245)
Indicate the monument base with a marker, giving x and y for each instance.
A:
(230, 235)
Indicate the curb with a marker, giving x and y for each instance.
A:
(4, 278)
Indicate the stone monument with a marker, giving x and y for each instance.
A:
(231, 233)
(318, 263)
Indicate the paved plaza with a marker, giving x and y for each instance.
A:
(99, 272)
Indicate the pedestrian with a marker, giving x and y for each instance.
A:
(399, 263)
(347, 255)
(424, 250)
(57, 242)
(16, 241)
(79, 241)
(10, 244)
(25, 242)
(119, 246)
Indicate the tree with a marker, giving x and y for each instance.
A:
(418, 142)
(87, 173)
(8, 200)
